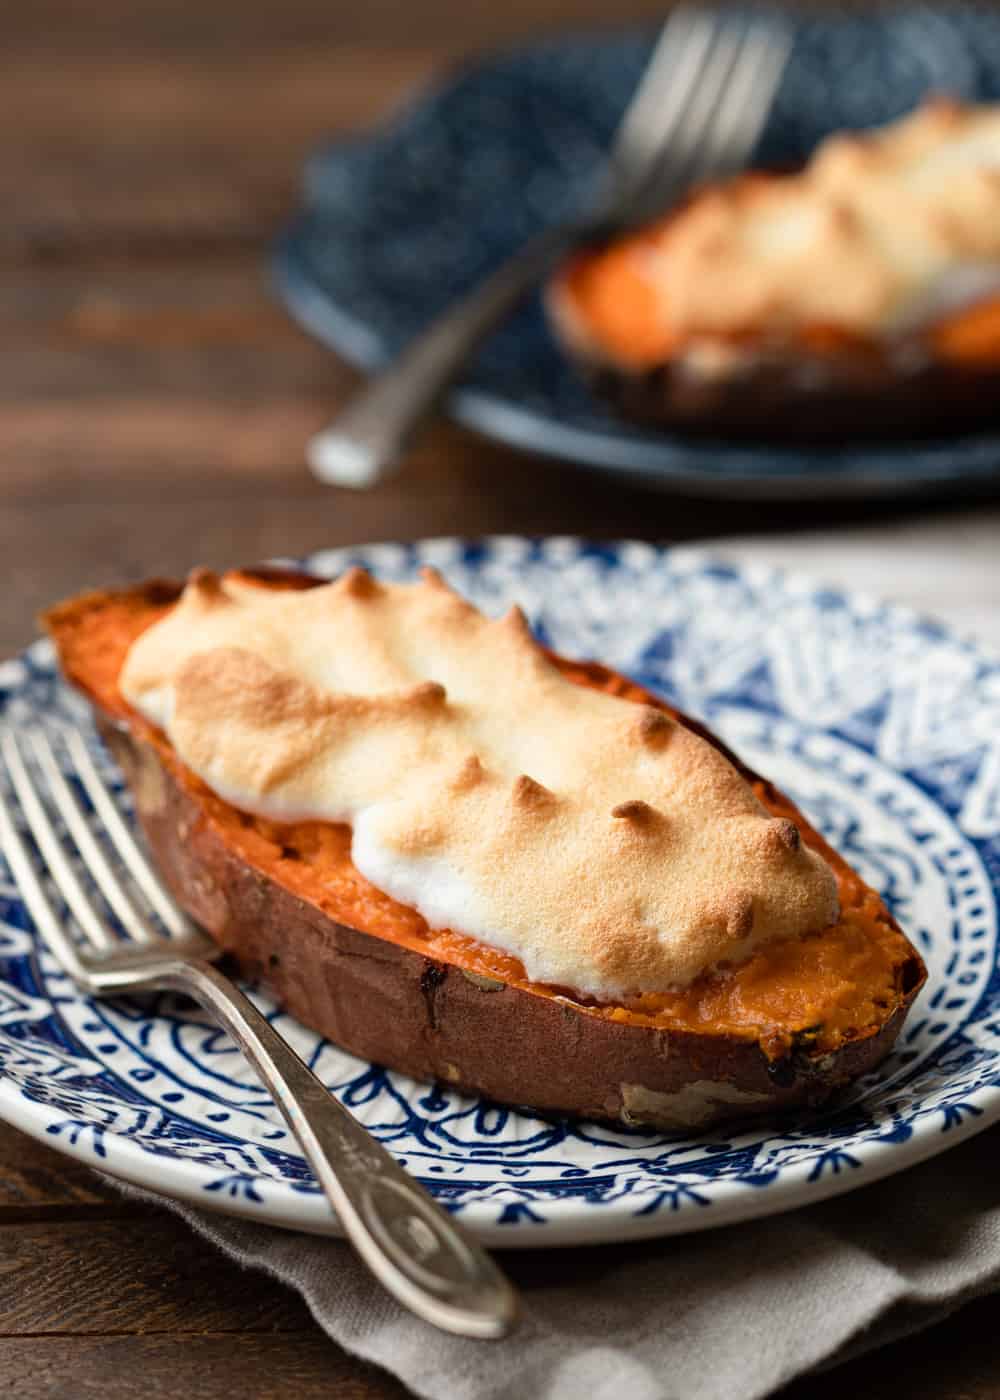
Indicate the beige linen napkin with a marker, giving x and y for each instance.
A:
(710, 1316)
(735, 1311)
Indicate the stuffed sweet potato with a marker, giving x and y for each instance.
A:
(857, 297)
(785, 1025)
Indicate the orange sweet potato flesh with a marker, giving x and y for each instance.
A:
(611, 297)
(829, 987)
(970, 336)
(813, 384)
(612, 300)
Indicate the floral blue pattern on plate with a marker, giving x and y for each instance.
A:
(399, 222)
(885, 727)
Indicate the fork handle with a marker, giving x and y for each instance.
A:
(413, 1247)
(367, 438)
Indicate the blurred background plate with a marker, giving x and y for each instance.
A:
(398, 223)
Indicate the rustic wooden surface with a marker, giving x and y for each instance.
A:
(153, 405)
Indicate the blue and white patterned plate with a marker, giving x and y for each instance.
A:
(884, 727)
(399, 222)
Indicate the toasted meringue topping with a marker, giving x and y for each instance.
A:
(606, 846)
(882, 230)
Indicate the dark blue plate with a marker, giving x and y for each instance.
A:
(397, 224)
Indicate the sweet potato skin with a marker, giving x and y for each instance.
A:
(784, 396)
(429, 1019)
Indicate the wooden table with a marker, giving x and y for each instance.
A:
(153, 406)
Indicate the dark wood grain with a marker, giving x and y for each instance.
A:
(34, 1179)
(202, 1367)
(138, 1279)
(154, 402)
(162, 27)
(181, 150)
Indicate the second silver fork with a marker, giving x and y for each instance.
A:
(415, 1249)
(697, 113)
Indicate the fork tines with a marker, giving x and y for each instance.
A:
(40, 789)
(699, 108)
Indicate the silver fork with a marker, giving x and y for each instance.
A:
(415, 1249)
(697, 113)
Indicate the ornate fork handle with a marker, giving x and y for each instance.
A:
(422, 1256)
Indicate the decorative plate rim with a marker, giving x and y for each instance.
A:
(566, 1219)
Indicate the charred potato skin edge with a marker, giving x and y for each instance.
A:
(436, 1021)
(433, 1021)
(794, 398)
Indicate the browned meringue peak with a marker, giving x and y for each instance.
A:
(880, 229)
(608, 847)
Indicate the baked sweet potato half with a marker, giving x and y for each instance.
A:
(857, 297)
(787, 1026)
